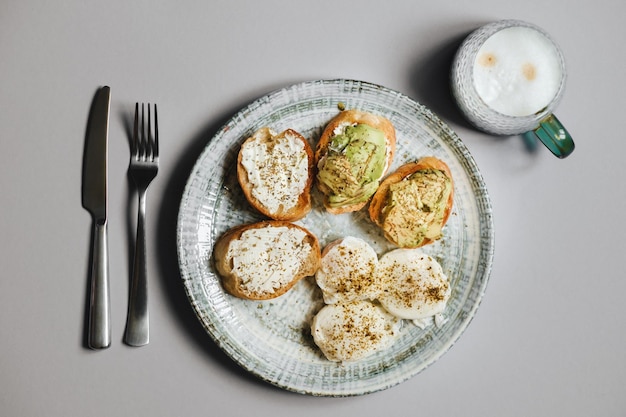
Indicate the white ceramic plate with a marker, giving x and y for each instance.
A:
(271, 339)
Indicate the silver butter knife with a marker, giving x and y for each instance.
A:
(94, 194)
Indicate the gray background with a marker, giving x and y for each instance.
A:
(549, 336)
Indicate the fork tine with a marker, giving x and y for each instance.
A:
(143, 143)
(150, 152)
(155, 151)
(135, 141)
(148, 143)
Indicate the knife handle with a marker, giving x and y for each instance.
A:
(100, 303)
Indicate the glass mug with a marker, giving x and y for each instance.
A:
(507, 78)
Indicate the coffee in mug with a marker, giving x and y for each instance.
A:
(507, 78)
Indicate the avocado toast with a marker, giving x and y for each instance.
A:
(354, 152)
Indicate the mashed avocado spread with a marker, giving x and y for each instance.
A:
(416, 207)
(353, 165)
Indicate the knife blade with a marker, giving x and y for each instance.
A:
(94, 194)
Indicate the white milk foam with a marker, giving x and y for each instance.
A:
(517, 71)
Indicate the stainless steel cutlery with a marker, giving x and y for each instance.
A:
(144, 165)
(143, 168)
(94, 194)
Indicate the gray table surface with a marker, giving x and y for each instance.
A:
(549, 336)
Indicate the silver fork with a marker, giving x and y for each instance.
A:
(144, 164)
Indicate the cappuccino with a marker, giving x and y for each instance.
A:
(518, 71)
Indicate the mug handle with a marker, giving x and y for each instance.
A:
(554, 135)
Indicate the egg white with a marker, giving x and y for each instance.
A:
(347, 271)
(351, 331)
(415, 285)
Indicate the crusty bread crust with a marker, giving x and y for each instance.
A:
(380, 198)
(354, 117)
(232, 282)
(303, 205)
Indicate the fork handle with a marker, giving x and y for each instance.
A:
(99, 336)
(138, 323)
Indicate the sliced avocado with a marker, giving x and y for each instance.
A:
(354, 164)
(363, 194)
(416, 207)
(336, 175)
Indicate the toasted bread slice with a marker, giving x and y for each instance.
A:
(406, 221)
(263, 260)
(275, 172)
(337, 126)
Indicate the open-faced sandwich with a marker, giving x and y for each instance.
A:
(275, 172)
(264, 260)
(413, 204)
(353, 154)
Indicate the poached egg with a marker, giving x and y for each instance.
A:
(415, 286)
(350, 331)
(347, 271)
